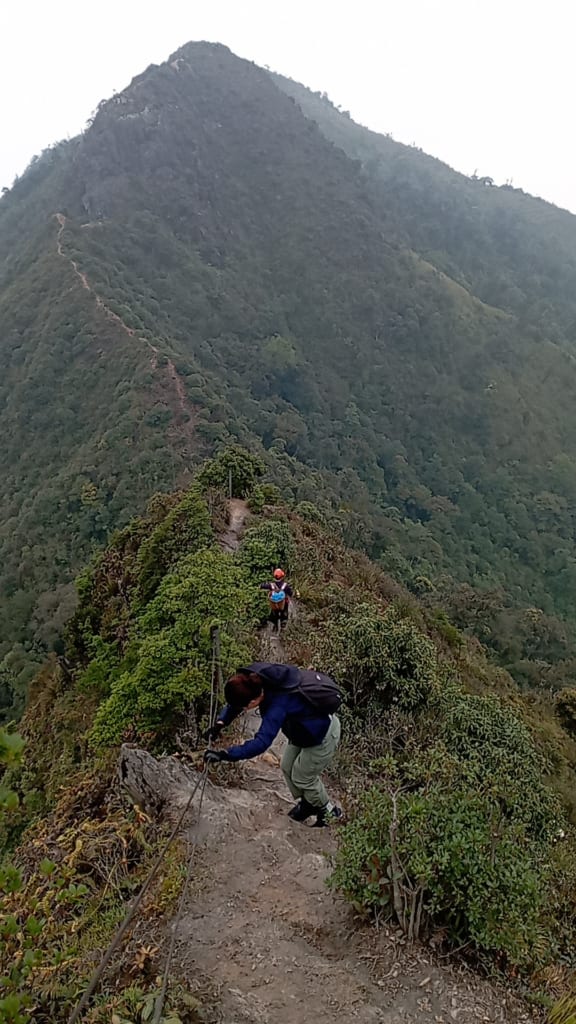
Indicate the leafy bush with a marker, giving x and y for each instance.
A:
(256, 501)
(265, 546)
(167, 664)
(460, 830)
(310, 513)
(186, 528)
(380, 656)
(496, 752)
(444, 852)
(235, 464)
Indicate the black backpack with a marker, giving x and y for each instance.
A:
(320, 691)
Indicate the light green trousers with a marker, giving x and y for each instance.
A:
(303, 766)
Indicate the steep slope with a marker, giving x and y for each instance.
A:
(478, 773)
(84, 412)
(508, 248)
(203, 264)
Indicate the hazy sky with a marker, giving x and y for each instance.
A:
(482, 84)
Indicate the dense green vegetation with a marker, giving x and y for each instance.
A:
(137, 666)
(514, 252)
(459, 792)
(393, 339)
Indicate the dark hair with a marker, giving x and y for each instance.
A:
(242, 688)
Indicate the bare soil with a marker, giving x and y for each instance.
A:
(266, 936)
(237, 514)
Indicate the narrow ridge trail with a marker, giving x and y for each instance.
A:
(263, 940)
(175, 382)
(238, 513)
(271, 645)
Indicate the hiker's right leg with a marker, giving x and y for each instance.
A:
(288, 758)
(302, 810)
(308, 766)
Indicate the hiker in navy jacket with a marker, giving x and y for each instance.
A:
(312, 735)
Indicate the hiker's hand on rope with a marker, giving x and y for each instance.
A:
(213, 732)
(214, 756)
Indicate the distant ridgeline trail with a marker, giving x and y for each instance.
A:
(168, 365)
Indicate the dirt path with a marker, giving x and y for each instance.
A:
(176, 385)
(238, 512)
(266, 937)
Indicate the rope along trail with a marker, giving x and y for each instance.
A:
(78, 1011)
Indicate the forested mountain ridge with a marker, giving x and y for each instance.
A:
(204, 265)
(510, 249)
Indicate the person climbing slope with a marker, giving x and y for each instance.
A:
(300, 703)
(279, 594)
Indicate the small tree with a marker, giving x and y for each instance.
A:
(380, 656)
(232, 466)
(442, 852)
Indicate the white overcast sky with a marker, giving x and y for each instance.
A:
(482, 84)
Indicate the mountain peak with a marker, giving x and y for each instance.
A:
(202, 48)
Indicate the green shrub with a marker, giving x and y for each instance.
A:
(265, 546)
(496, 752)
(167, 664)
(561, 905)
(380, 655)
(460, 830)
(310, 513)
(444, 853)
(447, 631)
(185, 528)
(257, 500)
(232, 463)
(272, 494)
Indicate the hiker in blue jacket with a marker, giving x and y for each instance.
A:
(312, 734)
